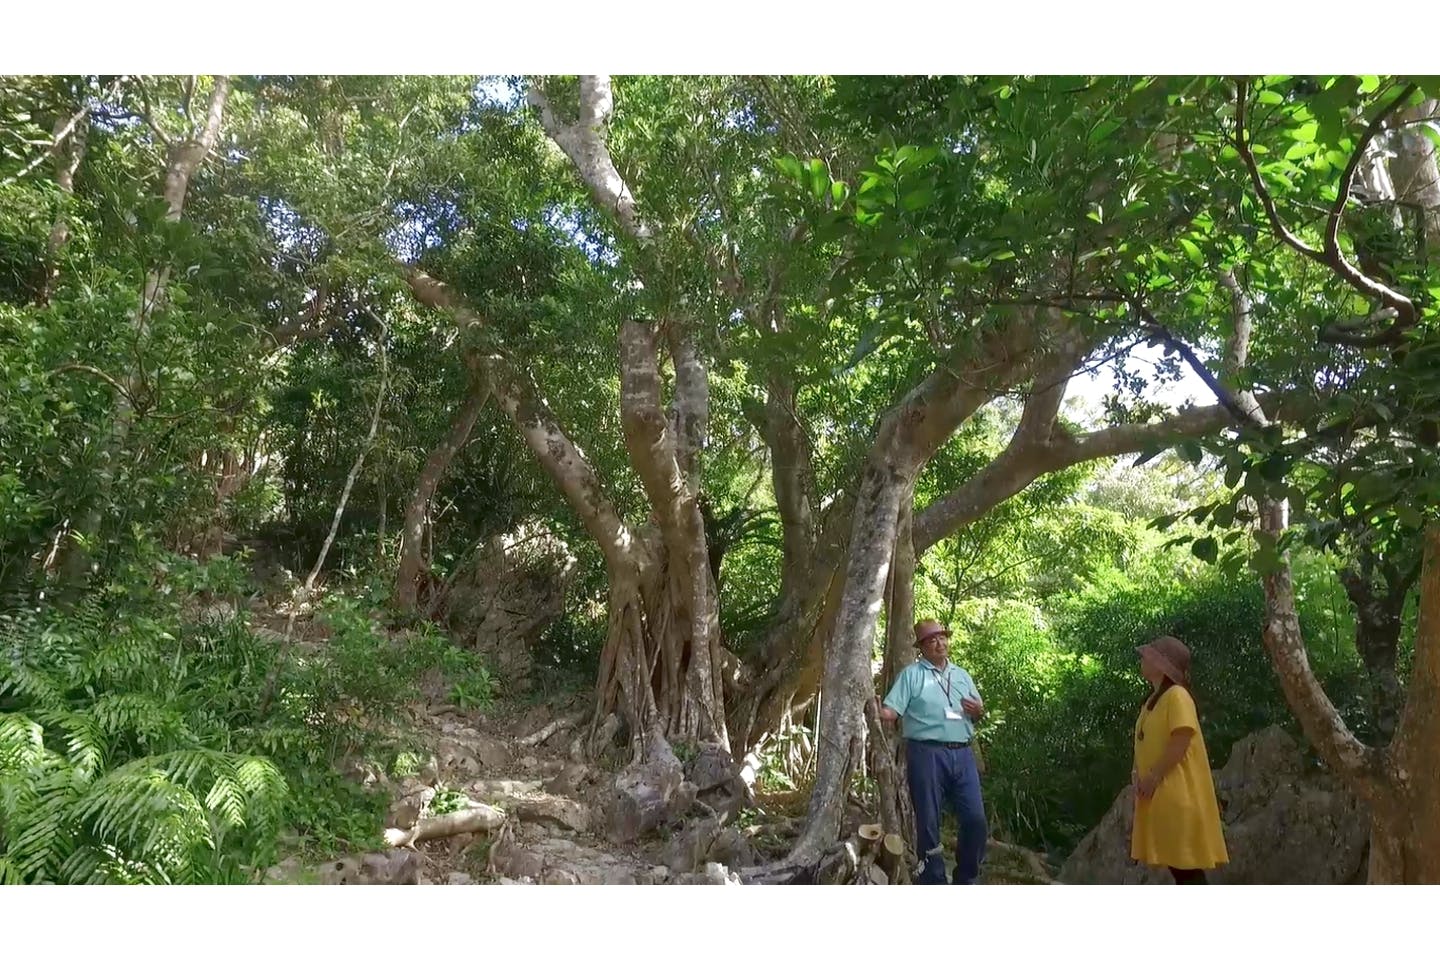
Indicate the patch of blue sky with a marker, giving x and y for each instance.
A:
(594, 248)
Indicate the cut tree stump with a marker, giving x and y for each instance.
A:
(892, 854)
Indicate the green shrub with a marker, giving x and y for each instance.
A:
(1064, 696)
(136, 744)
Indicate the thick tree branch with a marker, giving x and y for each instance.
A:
(691, 406)
(1331, 256)
(568, 467)
(651, 444)
(583, 143)
(1027, 458)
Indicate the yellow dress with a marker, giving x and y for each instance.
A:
(1180, 825)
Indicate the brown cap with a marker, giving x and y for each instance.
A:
(1170, 655)
(926, 629)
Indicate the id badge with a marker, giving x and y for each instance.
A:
(952, 715)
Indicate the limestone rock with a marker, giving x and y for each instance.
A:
(493, 754)
(690, 848)
(710, 767)
(553, 810)
(510, 858)
(502, 789)
(568, 781)
(732, 849)
(712, 874)
(405, 812)
(388, 867)
(644, 796)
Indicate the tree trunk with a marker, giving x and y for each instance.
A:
(908, 436)
(786, 671)
(182, 159)
(794, 485)
(1415, 170)
(1321, 722)
(891, 777)
(69, 152)
(418, 507)
(1378, 622)
(848, 683)
(682, 606)
(1405, 813)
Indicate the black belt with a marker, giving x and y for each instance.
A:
(941, 743)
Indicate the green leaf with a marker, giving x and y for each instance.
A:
(1270, 98)
(1206, 549)
(1103, 130)
(1408, 515)
(790, 167)
(1193, 252)
(918, 198)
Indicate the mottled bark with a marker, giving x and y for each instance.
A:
(897, 811)
(583, 142)
(689, 651)
(417, 509)
(680, 641)
(68, 152)
(690, 411)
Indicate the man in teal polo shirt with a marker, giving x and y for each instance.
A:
(939, 705)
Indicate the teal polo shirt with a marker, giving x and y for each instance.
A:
(920, 697)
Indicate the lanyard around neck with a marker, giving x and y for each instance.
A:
(946, 687)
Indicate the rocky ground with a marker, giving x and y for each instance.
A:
(533, 812)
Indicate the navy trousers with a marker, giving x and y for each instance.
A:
(942, 776)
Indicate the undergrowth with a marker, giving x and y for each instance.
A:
(136, 744)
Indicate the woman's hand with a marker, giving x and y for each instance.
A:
(1145, 786)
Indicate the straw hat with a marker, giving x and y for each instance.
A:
(1170, 655)
(926, 629)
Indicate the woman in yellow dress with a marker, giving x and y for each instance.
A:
(1177, 820)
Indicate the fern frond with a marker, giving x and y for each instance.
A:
(22, 742)
(34, 687)
(10, 871)
(227, 799)
(85, 741)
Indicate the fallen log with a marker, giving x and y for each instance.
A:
(549, 730)
(479, 818)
